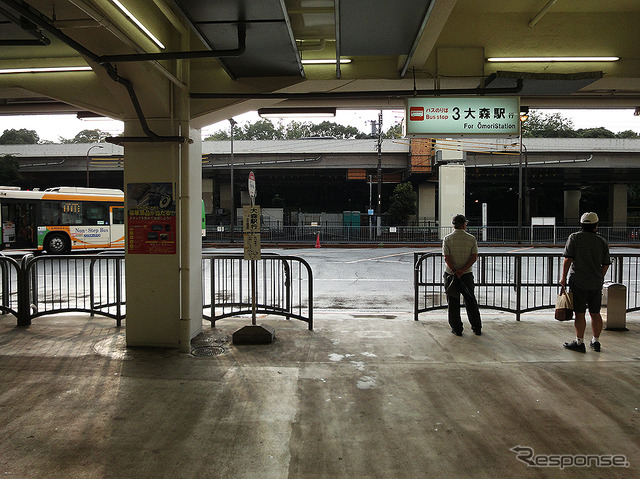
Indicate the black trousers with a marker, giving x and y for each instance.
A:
(454, 287)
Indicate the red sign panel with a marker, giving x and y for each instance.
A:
(416, 113)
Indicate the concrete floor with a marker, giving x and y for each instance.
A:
(361, 396)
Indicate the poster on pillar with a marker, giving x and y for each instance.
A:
(151, 218)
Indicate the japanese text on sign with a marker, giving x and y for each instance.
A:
(483, 115)
(251, 219)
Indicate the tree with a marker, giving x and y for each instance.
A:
(294, 130)
(19, 137)
(403, 203)
(86, 136)
(540, 125)
(394, 132)
(9, 171)
(600, 132)
(333, 130)
(628, 134)
(219, 135)
(260, 130)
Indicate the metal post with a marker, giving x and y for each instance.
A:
(87, 160)
(233, 209)
(379, 210)
(520, 190)
(253, 292)
(523, 117)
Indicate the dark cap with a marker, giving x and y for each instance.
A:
(459, 220)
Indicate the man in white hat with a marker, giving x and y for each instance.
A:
(586, 255)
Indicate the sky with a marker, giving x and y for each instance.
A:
(54, 127)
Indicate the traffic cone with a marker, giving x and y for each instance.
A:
(318, 241)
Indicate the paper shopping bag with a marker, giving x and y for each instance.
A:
(564, 306)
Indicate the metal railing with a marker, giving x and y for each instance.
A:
(95, 284)
(74, 283)
(329, 233)
(9, 280)
(284, 287)
(512, 282)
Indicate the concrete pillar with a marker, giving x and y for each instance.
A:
(618, 205)
(452, 195)
(163, 283)
(207, 195)
(225, 196)
(427, 202)
(572, 207)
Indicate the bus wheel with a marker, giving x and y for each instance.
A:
(56, 243)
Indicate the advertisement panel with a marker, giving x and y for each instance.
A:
(151, 218)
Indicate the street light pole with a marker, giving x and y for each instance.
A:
(523, 118)
(87, 160)
(520, 190)
(233, 212)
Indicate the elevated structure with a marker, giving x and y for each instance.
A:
(340, 173)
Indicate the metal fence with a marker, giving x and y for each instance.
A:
(517, 283)
(43, 285)
(284, 286)
(328, 233)
(95, 284)
(9, 280)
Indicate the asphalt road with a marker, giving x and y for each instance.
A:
(371, 279)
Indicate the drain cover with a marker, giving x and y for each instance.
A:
(206, 351)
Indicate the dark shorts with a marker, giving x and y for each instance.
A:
(586, 298)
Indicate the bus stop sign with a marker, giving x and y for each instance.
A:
(252, 186)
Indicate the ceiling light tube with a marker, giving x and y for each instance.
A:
(551, 59)
(296, 112)
(44, 70)
(328, 61)
(138, 23)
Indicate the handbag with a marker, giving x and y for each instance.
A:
(564, 306)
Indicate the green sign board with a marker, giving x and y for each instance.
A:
(462, 116)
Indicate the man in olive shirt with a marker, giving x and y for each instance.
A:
(586, 255)
(460, 251)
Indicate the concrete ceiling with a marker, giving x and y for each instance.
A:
(234, 56)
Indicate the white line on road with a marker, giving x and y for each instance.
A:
(366, 279)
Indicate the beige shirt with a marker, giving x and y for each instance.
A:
(459, 246)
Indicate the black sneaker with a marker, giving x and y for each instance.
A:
(595, 346)
(477, 332)
(457, 333)
(574, 346)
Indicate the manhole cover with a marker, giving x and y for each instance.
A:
(205, 351)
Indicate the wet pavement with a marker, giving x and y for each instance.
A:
(364, 395)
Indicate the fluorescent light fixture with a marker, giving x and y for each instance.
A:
(45, 70)
(138, 23)
(551, 59)
(297, 112)
(328, 61)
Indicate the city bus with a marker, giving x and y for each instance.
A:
(58, 220)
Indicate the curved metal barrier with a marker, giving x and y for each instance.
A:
(9, 280)
(95, 284)
(517, 283)
(79, 283)
(284, 287)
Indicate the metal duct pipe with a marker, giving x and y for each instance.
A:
(358, 94)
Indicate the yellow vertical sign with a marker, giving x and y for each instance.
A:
(251, 232)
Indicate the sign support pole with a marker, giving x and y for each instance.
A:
(253, 334)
